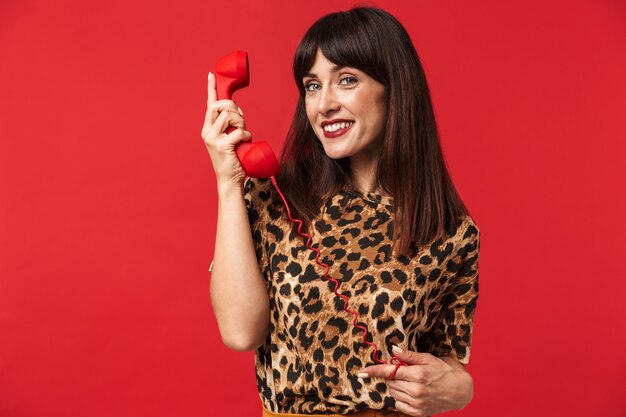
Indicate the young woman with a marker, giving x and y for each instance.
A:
(362, 167)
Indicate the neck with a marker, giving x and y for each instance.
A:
(364, 176)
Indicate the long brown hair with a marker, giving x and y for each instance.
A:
(411, 168)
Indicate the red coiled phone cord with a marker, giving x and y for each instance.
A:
(394, 360)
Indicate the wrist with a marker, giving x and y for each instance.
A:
(227, 188)
(467, 390)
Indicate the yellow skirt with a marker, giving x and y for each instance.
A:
(368, 412)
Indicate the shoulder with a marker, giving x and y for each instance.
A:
(466, 243)
(464, 237)
(263, 201)
(470, 227)
(465, 229)
(257, 190)
(256, 184)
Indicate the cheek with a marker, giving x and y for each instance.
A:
(376, 118)
(376, 126)
(309, 104)
(310, 115)
(378, 113)
(371, 108)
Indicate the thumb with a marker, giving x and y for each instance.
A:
(411, 357)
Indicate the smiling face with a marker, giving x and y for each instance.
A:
(346, 109)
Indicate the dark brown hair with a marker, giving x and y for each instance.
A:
(411, 167)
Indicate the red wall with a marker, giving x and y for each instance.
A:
(108, 209)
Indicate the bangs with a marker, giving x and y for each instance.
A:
(345, 39)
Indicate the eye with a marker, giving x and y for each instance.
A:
(311, 86)
(348, 81)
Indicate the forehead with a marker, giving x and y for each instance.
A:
(322, 65)
(321, 60)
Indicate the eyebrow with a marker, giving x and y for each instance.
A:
(333, 69)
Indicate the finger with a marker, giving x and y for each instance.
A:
(225, 119)
(405, 408)
(210, 116)
(239, 135)
(230, 141)
(407, 387)
(399, 395)
(218, 126)
(215, 108)
(227, 104)
(212, 91)
(414, 358)
(382, 371)
(376, 371)
(221, 122)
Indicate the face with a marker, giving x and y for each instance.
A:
(346, 109)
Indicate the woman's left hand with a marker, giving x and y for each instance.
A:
(427, 386)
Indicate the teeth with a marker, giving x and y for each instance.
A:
(336, 126)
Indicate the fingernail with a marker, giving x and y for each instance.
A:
(362, 375)
(240, 111)
(210, 75)
(395, 348)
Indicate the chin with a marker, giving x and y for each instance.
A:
(336, 154)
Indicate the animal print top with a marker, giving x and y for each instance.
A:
(423, 303)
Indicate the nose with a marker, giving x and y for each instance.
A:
(328, 102)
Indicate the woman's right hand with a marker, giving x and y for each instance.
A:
(220, 115)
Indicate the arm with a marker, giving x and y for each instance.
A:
(238, 293)
(460, 315)
(452, 331)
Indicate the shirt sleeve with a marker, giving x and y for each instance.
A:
(452, 332)
(255, 210)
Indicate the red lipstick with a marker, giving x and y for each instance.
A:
(338, 132)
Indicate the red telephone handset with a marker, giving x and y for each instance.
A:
(231, 74)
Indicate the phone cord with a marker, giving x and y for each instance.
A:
(394, 360)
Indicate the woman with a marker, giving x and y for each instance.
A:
(362, 166)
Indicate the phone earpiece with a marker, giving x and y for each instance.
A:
(231, 74)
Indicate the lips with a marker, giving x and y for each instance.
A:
(338, 126)
(333, 121)
(337, 133)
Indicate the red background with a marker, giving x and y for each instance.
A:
(108, 209)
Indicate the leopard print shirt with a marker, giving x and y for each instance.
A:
(424, 302)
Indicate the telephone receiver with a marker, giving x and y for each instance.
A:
(231, 74)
